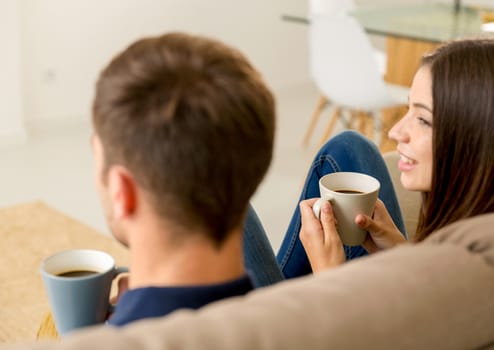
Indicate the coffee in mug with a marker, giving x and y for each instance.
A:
(348, 191)
(77, 273)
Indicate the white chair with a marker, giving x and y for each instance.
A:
(318, 8)
(344, 68)
(329, 7)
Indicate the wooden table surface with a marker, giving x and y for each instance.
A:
(29, 233)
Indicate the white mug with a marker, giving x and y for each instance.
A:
(350, 194)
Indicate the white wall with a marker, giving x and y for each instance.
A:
(11, 121)
(67, 42)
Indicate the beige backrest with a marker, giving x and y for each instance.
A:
(409, 201)
(436, 294)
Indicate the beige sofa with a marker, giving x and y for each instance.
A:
(438, 294)
(409, 201)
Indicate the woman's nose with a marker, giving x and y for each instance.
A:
(398, 131)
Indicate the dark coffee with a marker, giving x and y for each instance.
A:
(349, 191)
(77, 273)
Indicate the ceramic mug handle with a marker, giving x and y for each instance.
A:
(118, 271)
(316, 208)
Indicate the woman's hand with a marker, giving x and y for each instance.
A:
(319, 237)
(383, 233)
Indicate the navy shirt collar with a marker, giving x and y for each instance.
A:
(150, 302)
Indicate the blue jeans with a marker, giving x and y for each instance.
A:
(347, 151)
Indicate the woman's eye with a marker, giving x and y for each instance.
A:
(424, 121)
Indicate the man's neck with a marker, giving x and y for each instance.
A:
(158, 260)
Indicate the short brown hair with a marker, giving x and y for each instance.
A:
(194, 123)
(463, 134)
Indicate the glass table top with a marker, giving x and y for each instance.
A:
(435, 22)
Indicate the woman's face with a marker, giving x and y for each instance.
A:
(413, 133)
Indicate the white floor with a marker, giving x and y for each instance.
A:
(55, 166)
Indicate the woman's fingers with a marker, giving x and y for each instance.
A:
(382, 231)
(370, 225)
(375, 224)
(310, 223)
(319, 237)
(369, 245)
(328, 222)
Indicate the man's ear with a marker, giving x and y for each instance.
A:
(122, 191)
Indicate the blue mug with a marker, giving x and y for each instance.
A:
(78, 284)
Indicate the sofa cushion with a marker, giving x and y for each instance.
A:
(437, 294)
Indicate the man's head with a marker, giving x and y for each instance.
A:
(190, 123)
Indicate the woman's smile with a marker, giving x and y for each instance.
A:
(405, 163)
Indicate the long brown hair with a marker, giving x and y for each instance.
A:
(463, 134)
